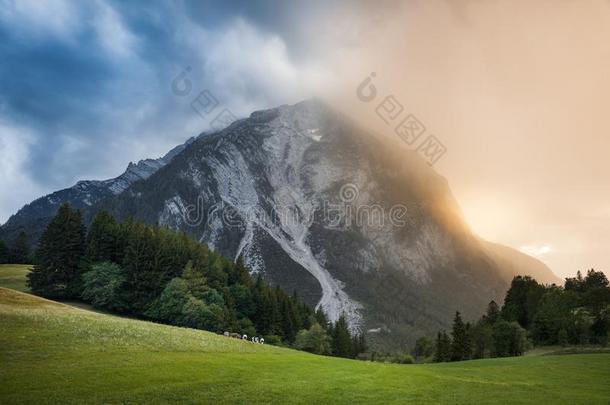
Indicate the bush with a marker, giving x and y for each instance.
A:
(211, 296)
(274, 340)
(194, 313)
(103, 287)
(168, 307)
(314, 340)
(403, 358)
(246, 327)
(424, 347)
(212, 317)
(509, 339)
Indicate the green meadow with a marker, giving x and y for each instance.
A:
(13, 276)
(51, 352)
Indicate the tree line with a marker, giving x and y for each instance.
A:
(577, 313)
(18, 252)
(158, 274)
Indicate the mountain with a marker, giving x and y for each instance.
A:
(348, 220)
(35, 216)
(511, 261)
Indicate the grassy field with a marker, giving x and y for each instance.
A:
(13, 276)
(51, 352)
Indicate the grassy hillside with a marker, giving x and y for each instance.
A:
(13, 276)
(52, 352)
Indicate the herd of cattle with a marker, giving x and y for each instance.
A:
(253, 339)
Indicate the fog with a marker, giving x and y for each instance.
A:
(517, 91)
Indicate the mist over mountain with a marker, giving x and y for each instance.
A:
(318, 206)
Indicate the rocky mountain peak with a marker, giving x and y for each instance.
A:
(317, 205)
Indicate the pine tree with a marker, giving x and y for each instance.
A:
(468, 342)
(20, 250)
(321, 318)
(481, 337)
(4, 253)
(442, 350)
(60, 256)
(103, 244)
(265, 303)
(446, 347)
(242, 273)
(438, 349)
(522, 299)
(358, 345)
(229, 319)
(341, 339)
(363, 347)
(195, 280)
(143, 279)
(493, 312)
(300, 313)
(459, 344)
(288, 317)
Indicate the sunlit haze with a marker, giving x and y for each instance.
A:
(518, 93)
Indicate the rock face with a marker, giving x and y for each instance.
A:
(318, 206)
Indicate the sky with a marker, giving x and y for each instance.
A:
(517, 91)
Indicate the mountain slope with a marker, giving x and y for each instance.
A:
(35, 216)
(511, 262)
(306, 198)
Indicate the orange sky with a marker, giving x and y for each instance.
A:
(518, 91)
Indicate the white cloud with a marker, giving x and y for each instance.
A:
(58, 18)
(17, 186)
(62, 19)
(536, 250)
(254, 68)
(112, 34)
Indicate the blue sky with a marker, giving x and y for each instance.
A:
(86, 86)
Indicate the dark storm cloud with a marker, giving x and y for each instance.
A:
(69, 85)
(85, 87)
